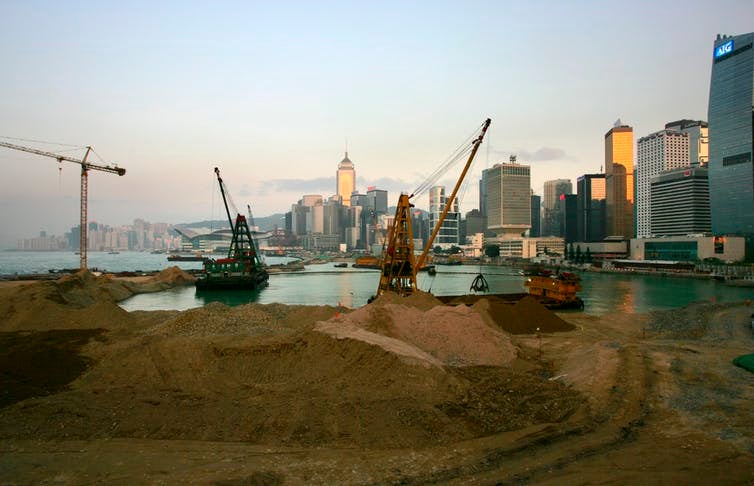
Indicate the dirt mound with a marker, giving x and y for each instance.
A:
(174, 275)
(79, 301)
(456, 336)
(523, 317)
(301, 388)
(251, 319)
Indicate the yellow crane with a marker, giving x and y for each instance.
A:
(85, 168)
(399, 267)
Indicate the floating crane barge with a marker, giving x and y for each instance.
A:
(242, 269)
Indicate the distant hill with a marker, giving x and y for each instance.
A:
(265, 223)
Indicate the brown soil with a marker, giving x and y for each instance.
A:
(399, 391)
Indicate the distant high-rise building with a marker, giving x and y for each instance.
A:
(570, 217)
(346, 180)
(731, 136)
(508, 198)
(680, 202)
(377, 200)
(698, 132)
(619, 178)
(656, 153)
(483, 194)
(474, 223)
(553, 206)
(449, 231)
(536, 204)
(590, 205)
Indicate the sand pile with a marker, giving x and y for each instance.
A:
(298, 388)
(523, 317)
(377, 377)
(79, 301)
(251, 319)
(455, 336)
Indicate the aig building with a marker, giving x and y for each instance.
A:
(731, 122)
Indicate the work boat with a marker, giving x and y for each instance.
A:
(242, 268)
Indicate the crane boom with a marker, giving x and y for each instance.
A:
(85, 168)
(104, 168)
(452, 197)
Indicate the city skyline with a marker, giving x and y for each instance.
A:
(271, 106)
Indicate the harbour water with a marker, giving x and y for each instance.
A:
(324, 284)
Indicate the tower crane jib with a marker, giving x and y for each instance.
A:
(85, 168)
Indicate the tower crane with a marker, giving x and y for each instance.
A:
(85, 168)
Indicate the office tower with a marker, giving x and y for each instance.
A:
(346, 180)
(553, 205)
(449, 231)
(377, 200)
(730, 115)
(656, 153)
(698, 132)
(474, 223)
(536, 203)
(570, 217)
(508, 198)
(619, 181)
(483, 194)
(590, 205)
(680, 202)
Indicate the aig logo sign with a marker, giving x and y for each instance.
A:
(724, 49)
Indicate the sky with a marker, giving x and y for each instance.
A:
(271, 92)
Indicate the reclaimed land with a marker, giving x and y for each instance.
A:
(402, 391)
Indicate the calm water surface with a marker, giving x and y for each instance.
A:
(326, 285)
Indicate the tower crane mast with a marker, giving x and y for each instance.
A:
(85, 168)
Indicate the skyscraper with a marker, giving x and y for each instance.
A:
(448, 234)
(346, 180)
(553, 205)
(680, 202)
(590, 205)
(619, 179)
(508, 198)
(731, 127)
(698, 132)
(535, 230)
(656, 153)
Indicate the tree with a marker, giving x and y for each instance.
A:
(579, 256)
(437, 249)
(588, 255)
(570, 255)
(454, 250)
(492, 251)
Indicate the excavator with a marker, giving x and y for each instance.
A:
(399, 266)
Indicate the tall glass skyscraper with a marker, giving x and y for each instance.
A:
(731, 131)
(619, 181)
(590, 204)
(346, 180)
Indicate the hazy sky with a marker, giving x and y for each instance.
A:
(269, 92)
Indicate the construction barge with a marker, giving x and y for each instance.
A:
(554, 291)
(242, 268)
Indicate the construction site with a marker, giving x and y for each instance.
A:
(481, 388)
(404, 390)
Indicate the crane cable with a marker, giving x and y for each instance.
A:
(462, 149)
(42, 141)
